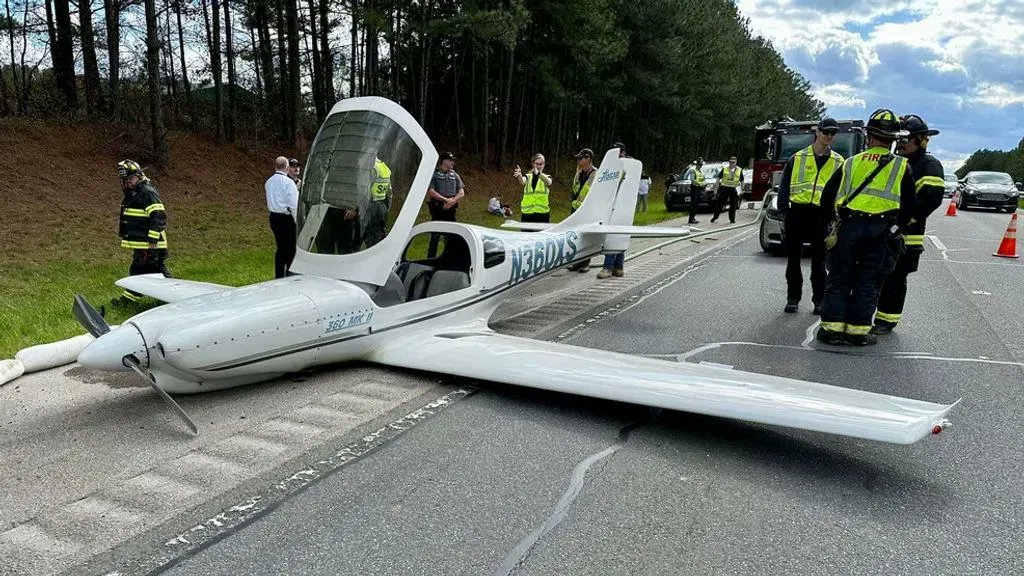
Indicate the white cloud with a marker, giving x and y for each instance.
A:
(999, 95)
(840, 94)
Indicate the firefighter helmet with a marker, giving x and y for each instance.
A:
(128, 168)
(884, 123)
(914, 125)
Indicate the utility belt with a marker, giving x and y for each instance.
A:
(847, 214)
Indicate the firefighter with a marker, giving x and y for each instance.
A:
(873, 195)
(929, 185)
(730, 178)
(142, 226)
(803, 179)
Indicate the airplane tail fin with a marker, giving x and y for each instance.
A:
(599, 205)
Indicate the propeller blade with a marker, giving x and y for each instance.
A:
(132, 362)
(88, 317)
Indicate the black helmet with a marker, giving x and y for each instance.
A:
(128, 168)
(914, 125)
(884, 123)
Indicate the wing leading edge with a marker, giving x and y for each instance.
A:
(676, 386)
(168, 289)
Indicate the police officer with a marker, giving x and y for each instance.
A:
(582, 180)
(729, 181)
(697, 185)
(446, 189)
(873, 194)
(380, 203)
(930, 186)
(800, 190)
(142, 225)
(536, 189)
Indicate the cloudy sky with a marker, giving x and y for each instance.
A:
(959, 64)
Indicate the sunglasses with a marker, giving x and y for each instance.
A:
(830, 132)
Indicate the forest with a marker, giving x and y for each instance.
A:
(489, 79)
(1009, 161)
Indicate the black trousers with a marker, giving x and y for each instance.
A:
(894, 289)
(283, 227)
(854, 275)
(726, 195)
(437, 212)
(536, 217)
(696, 193)
(804, 224)
(147, 261)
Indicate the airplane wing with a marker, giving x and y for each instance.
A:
(168, 289)
(636, 231)
(682, 386)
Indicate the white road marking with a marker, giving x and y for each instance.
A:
(809, 335)
(938, 244)
(980, 293)
(715, 365)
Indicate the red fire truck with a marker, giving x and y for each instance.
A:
(777, 140)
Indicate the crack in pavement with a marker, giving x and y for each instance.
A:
(521, 551)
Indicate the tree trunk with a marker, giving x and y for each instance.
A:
(352, 52)
(64, 55)
(112, 14)
(184, 68)
(93, 93)
(507, 105)
(285, 94)
(327, 58)
(266, 53)
(293, 70)
(424, 59)
(486, 112)
(317, 67)
(172, 83)
(14, 73)
(218, 92)
(156, 122)
(230, 47)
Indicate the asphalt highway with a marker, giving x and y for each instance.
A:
(514, 481)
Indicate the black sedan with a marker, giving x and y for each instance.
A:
(987, 190)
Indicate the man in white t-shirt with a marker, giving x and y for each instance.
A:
(645, 190)
(283, 203)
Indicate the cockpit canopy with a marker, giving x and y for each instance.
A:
(360, 170)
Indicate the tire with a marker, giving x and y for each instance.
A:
(960, 203)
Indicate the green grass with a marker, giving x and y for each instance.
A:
(213, 246)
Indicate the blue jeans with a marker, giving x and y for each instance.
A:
(615, 261)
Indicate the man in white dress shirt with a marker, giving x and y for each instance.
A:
(283, 203)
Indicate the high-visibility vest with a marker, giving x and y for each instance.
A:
(805, 180)
(535, 200)
(731, 178)
(882, 194)
(698, 176)
(381, 187)
(579, 192)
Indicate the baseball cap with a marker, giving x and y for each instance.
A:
(293, 162)
(828, 124)
(584, 153)
(447, 156)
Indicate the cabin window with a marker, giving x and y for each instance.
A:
(494, 251)
(435, 263)
(358, 175)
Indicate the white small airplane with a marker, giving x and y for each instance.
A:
(392, 304)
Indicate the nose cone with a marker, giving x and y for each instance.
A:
(106, 352)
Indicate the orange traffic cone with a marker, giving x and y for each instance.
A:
(1008, 248)
(951, 211)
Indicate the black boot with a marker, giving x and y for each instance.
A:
(791, 306)
(829, 337)
(861, 339)
(881, 329)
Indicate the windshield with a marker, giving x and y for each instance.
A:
(359, 172)
(951, 178)
(845, 143)
(990, 178)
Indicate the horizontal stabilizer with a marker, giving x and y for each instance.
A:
(168, 289)
(684, 386)
(636, 231)
(527, 226)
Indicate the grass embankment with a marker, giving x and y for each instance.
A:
(59, 233)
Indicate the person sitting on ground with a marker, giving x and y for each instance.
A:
(496, 207)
